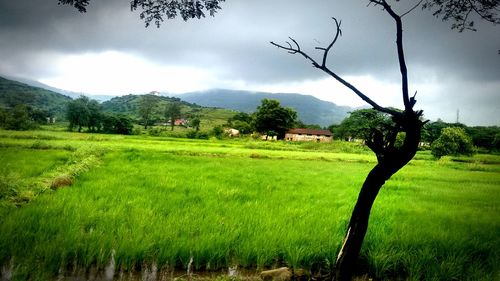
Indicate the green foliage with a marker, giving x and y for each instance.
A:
(242, 122)
(86, 112)
(117, 124)
(17, 119)
(300, 124)
(173, 112)
(361, 123)
(485, 137)
(195, 123)
(459, 12)
(129, 105)
(146, 109)
(197, 135)
(273, 119)
(78, 113)
(218, 132)
(452, 141)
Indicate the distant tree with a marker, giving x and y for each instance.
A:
(452, 141)
(3, 116)
(78, 113)
(243, 127)
(116, 124)
(240, 116)
(95, 116)
(123, 125)
(300, 124)
(38, 115)
(218, 132)
(147, 107)
(364, 124)
(242, 122)
(485, 137)
(195, 123)
(18, 118)
(496, 141)
(432, 130)
(172, 113)
(271, 117)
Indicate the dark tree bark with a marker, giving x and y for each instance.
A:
(390, 158)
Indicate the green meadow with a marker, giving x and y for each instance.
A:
(70, 200)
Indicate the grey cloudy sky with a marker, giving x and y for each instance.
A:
(109, 51)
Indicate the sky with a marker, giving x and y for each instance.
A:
(109, 51)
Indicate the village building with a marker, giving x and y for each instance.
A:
(309, 135)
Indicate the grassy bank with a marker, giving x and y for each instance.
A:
(246, 203)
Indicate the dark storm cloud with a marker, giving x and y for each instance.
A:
(238, 37)
(236, 41)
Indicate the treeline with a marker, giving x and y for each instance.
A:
(23, 117)
(440, 136)
(483, 137)
(84, 112)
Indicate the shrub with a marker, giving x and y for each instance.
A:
(155, 132)
(191, 134)
(452, 141)
(218, 132)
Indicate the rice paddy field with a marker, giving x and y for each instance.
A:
(113, 204)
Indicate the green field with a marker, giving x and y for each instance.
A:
(72, 200)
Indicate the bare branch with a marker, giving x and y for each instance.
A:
(413, 8)
(337, 34)
(401, 57)
(290, 49)
(296, 49)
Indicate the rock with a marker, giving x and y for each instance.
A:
(279, 274)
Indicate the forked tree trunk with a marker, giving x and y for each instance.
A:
(391, 161)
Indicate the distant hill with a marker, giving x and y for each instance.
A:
(310, 109)
(70, 94)
(13, 93)
(129, 105)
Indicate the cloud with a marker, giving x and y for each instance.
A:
(233, 50)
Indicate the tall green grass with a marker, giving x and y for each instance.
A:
(224, 203)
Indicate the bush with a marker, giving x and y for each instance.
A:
(155, 132)
(197, 135)
(218, 132)
(117, 124)
(452, 141)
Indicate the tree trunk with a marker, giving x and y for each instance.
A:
(390, 160)
(358, 225)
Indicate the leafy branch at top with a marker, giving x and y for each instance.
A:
(156, 10)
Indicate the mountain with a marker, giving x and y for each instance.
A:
(70, 94)
(309, 109)
(13, 93)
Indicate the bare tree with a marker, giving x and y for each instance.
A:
(390, 158)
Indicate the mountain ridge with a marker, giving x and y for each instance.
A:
(310, 110)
